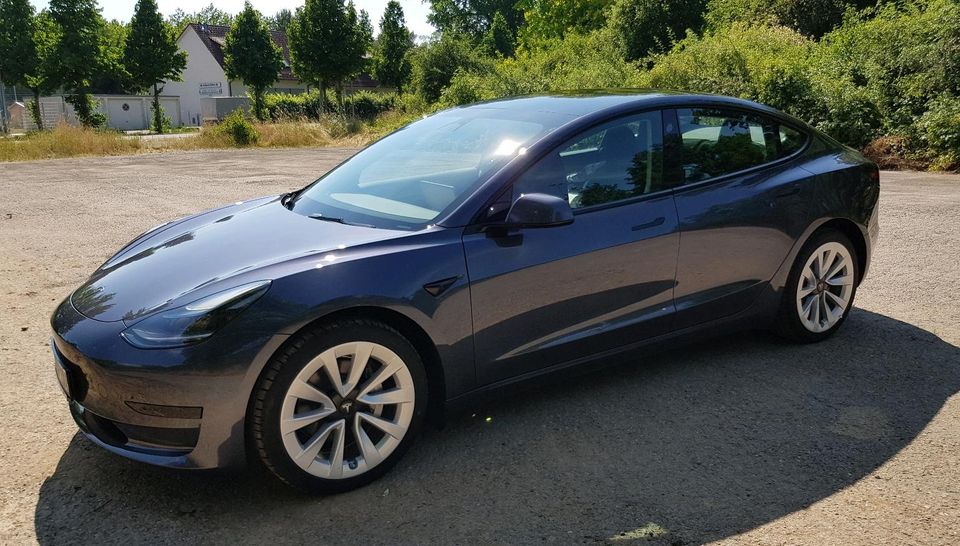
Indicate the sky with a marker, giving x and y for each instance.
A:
(415, 11)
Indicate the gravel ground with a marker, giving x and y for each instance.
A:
(855, 440)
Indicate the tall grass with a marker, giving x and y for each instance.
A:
(66, 141)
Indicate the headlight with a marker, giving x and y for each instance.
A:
(195, 321)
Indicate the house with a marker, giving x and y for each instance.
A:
(204, 76)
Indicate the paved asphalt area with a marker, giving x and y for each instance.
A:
(745, 440)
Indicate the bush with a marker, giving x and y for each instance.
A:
(844, 111)
(808, 17)
(240, 131)
(367, 105)
(412, 103)
(902, 58)
(309, 106)
(577, 62)
(435, 63)
(938, 132)
(285, 106)
(757, 62)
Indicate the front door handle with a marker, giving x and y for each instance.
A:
(651, 224)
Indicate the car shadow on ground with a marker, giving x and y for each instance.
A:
(685, 446)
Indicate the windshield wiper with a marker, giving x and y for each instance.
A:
(287, 198)
(318, 216)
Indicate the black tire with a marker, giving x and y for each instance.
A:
(264, 415)
(789, 324)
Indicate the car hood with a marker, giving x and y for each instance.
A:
(207, 253)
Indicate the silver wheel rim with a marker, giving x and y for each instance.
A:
(825, 287)
(347, 410)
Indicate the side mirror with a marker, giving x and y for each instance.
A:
(535, 210)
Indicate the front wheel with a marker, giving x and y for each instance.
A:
(339, 406)
(820, 289)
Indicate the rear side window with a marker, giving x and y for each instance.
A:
(716, 142)
(791, 140)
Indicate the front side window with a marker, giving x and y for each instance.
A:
(615, 161)
(717, 142)
(406, 180)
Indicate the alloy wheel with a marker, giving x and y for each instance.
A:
(825, 287)
(347, 410)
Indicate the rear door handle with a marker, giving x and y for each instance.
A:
(651, 224)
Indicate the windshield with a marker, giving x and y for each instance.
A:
(406, 180)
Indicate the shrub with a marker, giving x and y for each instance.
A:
(808, 17)
(367, 105)
(435, 63)
(285, 106)
(240, 131)
(309, 106)
(938, 132)
(844, 111)
(577, 62)
(412, 103)
(762, 63)
(905, 56)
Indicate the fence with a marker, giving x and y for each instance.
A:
(124, 112)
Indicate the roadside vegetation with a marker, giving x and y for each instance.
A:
(881, 76)
(69, 141)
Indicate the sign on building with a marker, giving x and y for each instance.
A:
(210, 89)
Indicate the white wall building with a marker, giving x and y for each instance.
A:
(204, 75)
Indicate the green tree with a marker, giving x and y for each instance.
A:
(435, 63)
(19, 55)
(151, 55)
(328, 41)
(251, 56)
(474, 17)
(579, 61)
(549, 19)
(280, 20)
(649, 26)
(46, 36)
(111, 77)
(391, 64)
(499, 40)
(809, 17)
(76, 55)
(209, 15)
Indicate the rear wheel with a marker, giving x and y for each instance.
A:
(820, 289)
(339, 406)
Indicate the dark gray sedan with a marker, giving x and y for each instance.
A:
(481, 246)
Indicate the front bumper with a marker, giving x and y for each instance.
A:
(180, 408)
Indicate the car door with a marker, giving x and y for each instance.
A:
(547, 296)
(735, 208)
